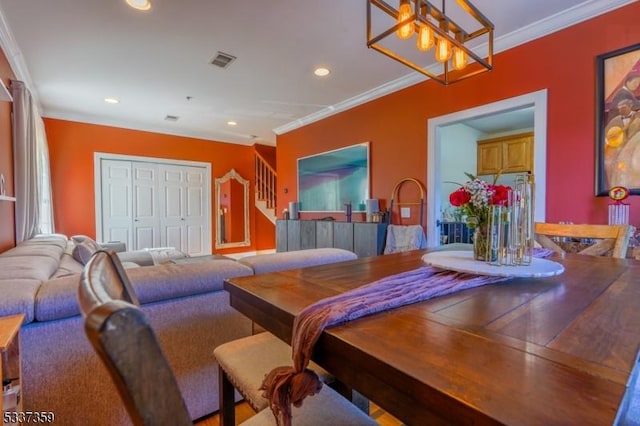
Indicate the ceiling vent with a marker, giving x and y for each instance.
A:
(171, 118)
(222, 60)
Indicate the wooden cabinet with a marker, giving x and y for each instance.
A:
(508, 154)
(10, 361)
(362, 238)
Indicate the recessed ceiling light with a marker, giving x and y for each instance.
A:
(139, 4)
(322, 72)
(112, 100)
(232, 123)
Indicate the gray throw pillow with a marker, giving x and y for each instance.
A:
(83, 250)
(77, 239)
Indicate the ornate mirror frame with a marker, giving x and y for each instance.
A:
(232, 174)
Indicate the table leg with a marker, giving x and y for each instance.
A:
(354, 396)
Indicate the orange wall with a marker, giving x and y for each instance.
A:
(7, 208)
(72, 146)
(268, 153)
(396, 125)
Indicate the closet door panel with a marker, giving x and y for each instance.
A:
(172, 218)
(195, 243)
(195, 211)
(144, 237)
(116, 193)
(145, 205)
(173, 237)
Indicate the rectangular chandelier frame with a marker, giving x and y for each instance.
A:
(443, 27)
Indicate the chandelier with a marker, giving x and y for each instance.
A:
(433, 30)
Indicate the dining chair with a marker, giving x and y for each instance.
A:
(242, 365)
(121, 335)
(595, 240)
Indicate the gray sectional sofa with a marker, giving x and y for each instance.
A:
(185, 303)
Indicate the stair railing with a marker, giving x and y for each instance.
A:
(265, 182)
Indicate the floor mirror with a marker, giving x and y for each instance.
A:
(232, 211)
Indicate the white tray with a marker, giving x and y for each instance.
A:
(462, 261)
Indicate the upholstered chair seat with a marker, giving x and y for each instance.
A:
(246, 361)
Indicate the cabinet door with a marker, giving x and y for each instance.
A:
(517, 154)
(343, 235)
(307, 234)
(293, 235)
(324, 234)
(368, 238)
(281, 235)
(489, 158)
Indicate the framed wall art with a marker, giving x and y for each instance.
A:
(329, 180)
(618, 120)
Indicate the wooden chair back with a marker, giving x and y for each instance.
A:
(106, 280)
(595, 240)
(127, 345)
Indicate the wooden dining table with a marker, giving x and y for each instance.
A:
(525, 351)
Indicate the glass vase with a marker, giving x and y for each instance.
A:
(488, 236)
(480, 241)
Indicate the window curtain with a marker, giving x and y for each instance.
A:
(34, 212)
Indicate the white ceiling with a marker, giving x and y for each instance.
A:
(74, 53)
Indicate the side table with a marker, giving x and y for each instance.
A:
(10, 370)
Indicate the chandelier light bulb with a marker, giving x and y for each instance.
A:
(460, 59)
(139, 4)
(443, 50)
(404, 13)
(426, 39)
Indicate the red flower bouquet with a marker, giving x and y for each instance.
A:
(475, 197)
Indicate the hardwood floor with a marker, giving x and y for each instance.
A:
(244, 411)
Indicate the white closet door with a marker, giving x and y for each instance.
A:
(148, 203)
(196, 218)
(146, 219)
(172, 206)
(116, 193)
(183, 218)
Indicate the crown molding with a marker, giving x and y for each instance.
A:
(549, 25)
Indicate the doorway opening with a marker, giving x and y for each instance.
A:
(436, 137)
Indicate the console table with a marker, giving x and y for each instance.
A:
(362, 238)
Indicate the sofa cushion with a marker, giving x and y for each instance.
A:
(263, 263)
(141, 257)
(68, 266)
(58, 298)
(27, 267)
(18, 296)
(169, 280)
(54, 250)
(56, 239)
(152, 256)
(83, 250)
